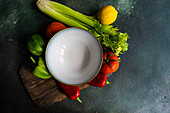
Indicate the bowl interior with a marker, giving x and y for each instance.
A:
(74, 56)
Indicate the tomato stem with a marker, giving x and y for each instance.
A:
(113, 60)
(110, 65)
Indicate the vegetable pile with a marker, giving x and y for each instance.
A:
(108, 36)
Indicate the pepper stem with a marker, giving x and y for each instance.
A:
(78, 99)
(107, 82)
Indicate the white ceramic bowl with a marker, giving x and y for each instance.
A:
(74, 56)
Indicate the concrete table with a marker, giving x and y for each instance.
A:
(142, 83)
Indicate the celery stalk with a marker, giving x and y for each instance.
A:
(49, 11)
(68, 11)
(72, 18)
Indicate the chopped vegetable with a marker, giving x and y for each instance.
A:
(110, 63)
(36, 44)
(99, 81)
(72, 92)
(106, 34)
(53, 28)
(40, 70)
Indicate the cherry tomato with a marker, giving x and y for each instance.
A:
(110, 63)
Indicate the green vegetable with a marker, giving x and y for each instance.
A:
(106, 34)
(36, 44)
(40, 70)
(32, 59)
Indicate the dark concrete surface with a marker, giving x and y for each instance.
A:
(142, 83)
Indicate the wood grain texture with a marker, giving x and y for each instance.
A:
(43, 92)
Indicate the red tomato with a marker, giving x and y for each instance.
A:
(110, 63)
(53, 28)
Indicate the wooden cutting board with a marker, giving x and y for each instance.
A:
(43, 92)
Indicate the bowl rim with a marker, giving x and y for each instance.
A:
(98, 68)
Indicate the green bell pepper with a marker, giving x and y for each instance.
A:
(40, 70)
(36, 44)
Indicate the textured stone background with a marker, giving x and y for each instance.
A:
(142, 83)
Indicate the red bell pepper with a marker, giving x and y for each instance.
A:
(99, 81)
(72, 92)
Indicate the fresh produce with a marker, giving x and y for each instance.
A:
(72, 92)
(110, 63)
(106, 34)
(36, 44)
(53, 28)
(107, 15)
(40, 70)
(99, 81)
(109, 37)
